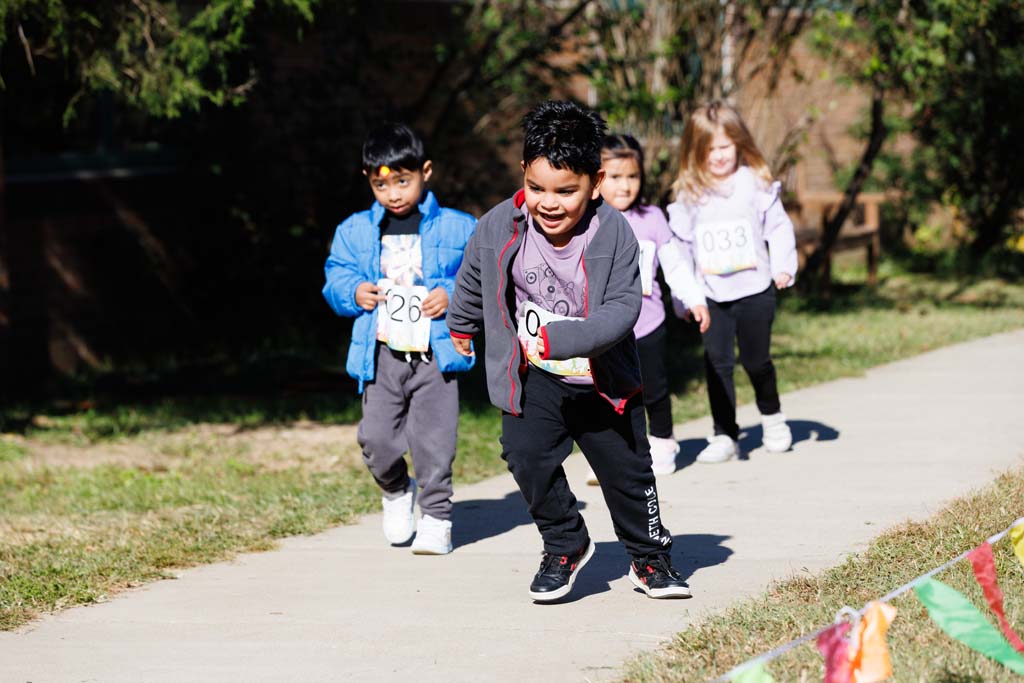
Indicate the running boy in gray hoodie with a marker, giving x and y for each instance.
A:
(551, 278)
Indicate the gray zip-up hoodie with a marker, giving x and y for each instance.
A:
(484, 300)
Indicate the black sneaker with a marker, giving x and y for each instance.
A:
(557, 573)
(656, 577)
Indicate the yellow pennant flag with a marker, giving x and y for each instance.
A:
(869, 655)
(1017, 538)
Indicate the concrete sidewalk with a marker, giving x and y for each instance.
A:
(873, 451)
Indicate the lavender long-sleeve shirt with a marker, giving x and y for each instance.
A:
(653, 233)
(743, 200)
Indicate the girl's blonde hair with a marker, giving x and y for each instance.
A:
(694, 179)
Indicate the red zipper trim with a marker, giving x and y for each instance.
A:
(504, 319)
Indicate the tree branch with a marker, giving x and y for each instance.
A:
(835, 222)
(28, 49)
(471, 79)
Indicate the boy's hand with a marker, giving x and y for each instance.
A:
(702, 316)
(782, 280)
(368, 296)
(463, 346)
(436, 304)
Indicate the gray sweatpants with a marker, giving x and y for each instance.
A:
(411, 407)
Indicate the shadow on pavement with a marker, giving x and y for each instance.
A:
(751, 439)
(475, 520)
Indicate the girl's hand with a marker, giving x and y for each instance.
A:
(368, 296)
(541, 347)
(782, 280)
(436, 303)
(703, 317)
(463, 346)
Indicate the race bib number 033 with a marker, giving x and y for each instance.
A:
(400, 320)
(725, 247)
(532, 318)
(647, 251)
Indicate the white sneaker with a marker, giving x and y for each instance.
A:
(720, 448)
(663, 454)
(777, 437)
(433, 536)
(592, 477)
(399, 523)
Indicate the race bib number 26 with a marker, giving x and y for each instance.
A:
(400, 320)
(725, 247)
(532, 318)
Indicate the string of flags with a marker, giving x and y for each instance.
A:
(854, 647)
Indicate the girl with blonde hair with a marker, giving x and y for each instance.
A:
(737, 235)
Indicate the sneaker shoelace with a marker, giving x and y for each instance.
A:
(550, 560)
(659, 567)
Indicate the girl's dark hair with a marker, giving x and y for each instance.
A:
(395, 145)
(626, 147)
(567, 134)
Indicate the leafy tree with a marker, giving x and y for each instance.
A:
(163, 57)
(652, 62)
(160, 57)
(953, 70)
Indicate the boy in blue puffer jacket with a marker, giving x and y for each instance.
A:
(393, 269)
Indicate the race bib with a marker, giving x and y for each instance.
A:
(725, 247)
(647, 251)
(400, 320)
(532, 318)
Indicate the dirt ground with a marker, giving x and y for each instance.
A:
(308, 444)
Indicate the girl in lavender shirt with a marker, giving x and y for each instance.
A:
(622, 159)
(729, 216)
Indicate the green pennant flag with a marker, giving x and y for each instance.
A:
(753, 674)
(961, 620)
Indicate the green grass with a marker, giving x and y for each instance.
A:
(73, 535)
(860, 329)
(919, 650)
(10, 451)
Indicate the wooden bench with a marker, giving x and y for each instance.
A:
(861, 229)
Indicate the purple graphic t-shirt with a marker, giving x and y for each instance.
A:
(553, 278)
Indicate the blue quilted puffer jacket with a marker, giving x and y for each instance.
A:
(355, 258)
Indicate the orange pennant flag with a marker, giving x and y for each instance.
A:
(869, 655)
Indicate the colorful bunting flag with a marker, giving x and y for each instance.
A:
(753, 674)
(1017, 539)
(863, 657)
(869, 655)
(835, 648)
(962, 621)
(985, 573)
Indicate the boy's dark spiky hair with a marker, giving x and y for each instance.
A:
(395, 145)
(567, 134)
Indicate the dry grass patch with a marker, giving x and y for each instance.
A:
(921, 653)
(316, 447)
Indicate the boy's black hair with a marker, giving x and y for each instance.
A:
(395, 145)
(625, 147)
(567, 134)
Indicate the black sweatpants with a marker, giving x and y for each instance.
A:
(537, 442)
(651, 349)
(747, 321)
